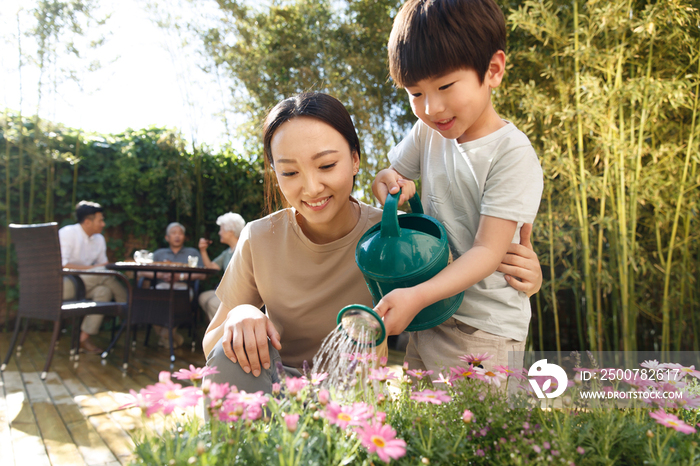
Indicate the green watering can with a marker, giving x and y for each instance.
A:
(403, 251)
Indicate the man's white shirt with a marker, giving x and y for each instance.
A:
(79, 248)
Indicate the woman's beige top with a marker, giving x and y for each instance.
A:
(302, 284)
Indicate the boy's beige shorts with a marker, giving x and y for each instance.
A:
(439, 348)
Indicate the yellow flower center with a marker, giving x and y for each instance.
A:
(344, 417)
(378, 441)
(490, 374)
(171, 395)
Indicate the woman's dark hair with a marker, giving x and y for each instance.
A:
(316, 105)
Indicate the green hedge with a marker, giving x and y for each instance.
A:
(143, 178)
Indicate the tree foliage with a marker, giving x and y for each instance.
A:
(310, 45)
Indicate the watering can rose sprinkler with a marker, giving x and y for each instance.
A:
(401, 251)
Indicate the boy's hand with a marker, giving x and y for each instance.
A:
(398, 308)
(390, 181)
(521, 265)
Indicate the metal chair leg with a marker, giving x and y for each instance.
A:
(114, 340)
(24, 335)
(52, 348)
(12, 345)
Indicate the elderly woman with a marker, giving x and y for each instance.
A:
(230, 227)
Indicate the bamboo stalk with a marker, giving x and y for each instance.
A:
(666, 305)
(634, 188)
(583, 217)
(552, 273)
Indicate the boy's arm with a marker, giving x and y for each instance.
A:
(493, 238)
(390, 181)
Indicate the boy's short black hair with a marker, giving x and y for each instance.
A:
(85, 209)
(434, 37)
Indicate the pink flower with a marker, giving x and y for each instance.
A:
(419, 373)
(218, 391)
(537, 449)
(687, 400)
(381, 439)
(436, 397)
(166, 396)
(317, 378)
(140, 401)
(510, 372)
(442, 379)
(291, 420)
(359, 357)
(343, 416)
(380, 416)
(295, 384)
(276, 388)
(475, 359)
(580, 450)
(480, 452)
(470, 372)
(467, 416)
(324, 397)
(493, 378)
(253, 412)
(652, 364)
(672, 421)
(680, 371)
(249, 399)
(381, 374)
(195, 374)
(230, 411)
(383, 360)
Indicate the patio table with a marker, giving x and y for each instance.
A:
(167, 308)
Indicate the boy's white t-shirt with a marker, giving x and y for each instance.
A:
(498, 175)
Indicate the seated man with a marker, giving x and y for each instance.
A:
(176, 252)
(83, 247)
(230, 229)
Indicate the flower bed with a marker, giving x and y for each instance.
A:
(463, 417)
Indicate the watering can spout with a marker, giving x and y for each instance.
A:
(362, 325)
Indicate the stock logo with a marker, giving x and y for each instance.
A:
(543, 369)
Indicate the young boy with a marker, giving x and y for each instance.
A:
(480, 177)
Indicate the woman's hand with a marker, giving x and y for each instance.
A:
(203, 243)
(246, 330)
(521, 265)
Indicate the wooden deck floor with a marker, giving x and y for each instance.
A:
(75, 416)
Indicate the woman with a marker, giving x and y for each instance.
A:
(299, 262)
(230, 227)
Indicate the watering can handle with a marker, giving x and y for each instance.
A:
(416, 206)
(390, 220)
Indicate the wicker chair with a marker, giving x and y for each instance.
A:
(41, 290)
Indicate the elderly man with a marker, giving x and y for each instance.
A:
(230, 227)
(83, 247)
(176, 252)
